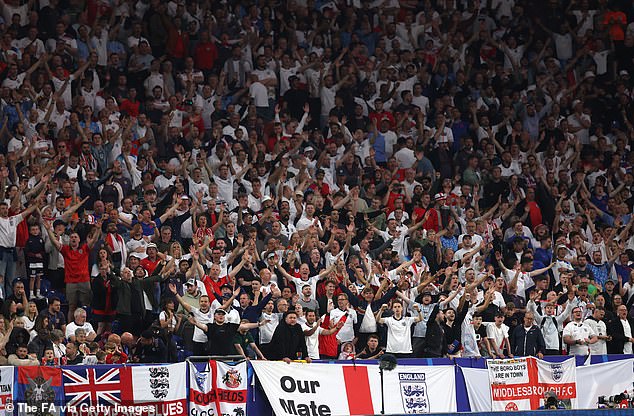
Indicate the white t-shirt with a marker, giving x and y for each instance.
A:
(203, 318)
(312, 342)
(72, 327)
(627, 332)
(346, 333)
(225, 187)
(399, 334)
(312, 282)
(578, 331)
(600, 347)
(260, 95)
(267, 330)
(469, 340)
(16, 83)
(497, 334)
(67, 96)
(163, 317)
(8, 228)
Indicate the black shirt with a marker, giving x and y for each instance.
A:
(221, 338)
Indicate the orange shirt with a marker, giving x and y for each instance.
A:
(615, 29)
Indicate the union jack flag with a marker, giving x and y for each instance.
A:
(92, 386)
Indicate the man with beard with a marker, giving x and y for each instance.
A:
(288, 342)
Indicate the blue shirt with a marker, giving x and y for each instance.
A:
(449, 242)
(148, 229)
(379, 148)
(601, 272)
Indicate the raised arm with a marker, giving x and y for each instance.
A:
(52, 237)
(185, 305)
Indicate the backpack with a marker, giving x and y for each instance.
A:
(541, 326)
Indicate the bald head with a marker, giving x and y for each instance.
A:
(127, 339)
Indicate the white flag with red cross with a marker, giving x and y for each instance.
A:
(525, 383)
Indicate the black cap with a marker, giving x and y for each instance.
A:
(147, 334)
(220, 311)
(227, 286)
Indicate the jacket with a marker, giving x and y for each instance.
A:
(288, 342)
(435, 339)
(125, 295)
(551, 326)
(527, 343)
(19, 362)
(618, 336)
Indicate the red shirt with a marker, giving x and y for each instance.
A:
(76, 264)
(432, 220)
(535, 214)
(328, 344)
(205, 55)
(150, 265)
(130, 107)
(390, 201)
(214, 286)
(380, 116)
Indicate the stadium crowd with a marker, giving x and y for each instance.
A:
(304, 179)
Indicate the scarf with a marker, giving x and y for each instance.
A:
(110, 240)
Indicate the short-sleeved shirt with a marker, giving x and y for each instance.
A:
(312, 342)
(244, 340)
(399, 334)
(578, 331)
(203, 318)
(148, 229)
(76, 268)
(497, 334)
(72, 327)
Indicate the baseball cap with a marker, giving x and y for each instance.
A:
(151, 245)
(266, 198)
(191, 282)
(624, 73)
(611, 281)
(147, 334)
(221, 311)
(226, 286)
(561, 246)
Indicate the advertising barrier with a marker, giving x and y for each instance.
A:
(214, 388)
(355, 389)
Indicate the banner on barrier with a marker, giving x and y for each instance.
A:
(6, 389)
(39, 391)
(160, 388)
(605, 379)
(342, 389)
(522, 383)
(478, 388)
(218, 389)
